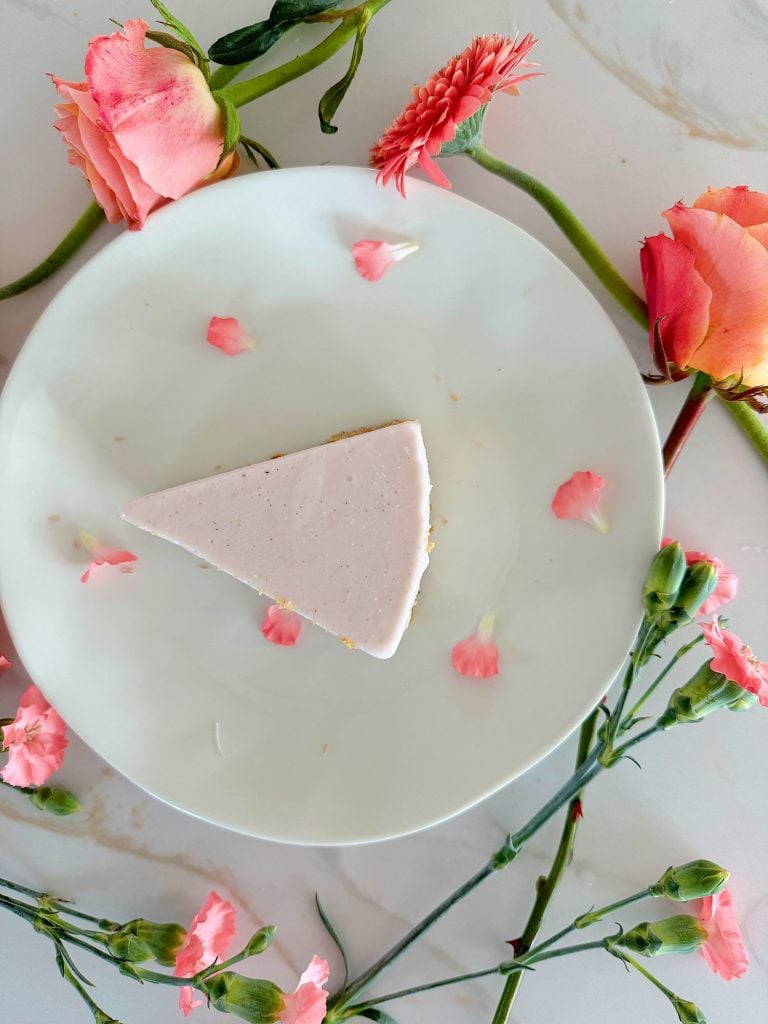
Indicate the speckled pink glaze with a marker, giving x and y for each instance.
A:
(340, 531)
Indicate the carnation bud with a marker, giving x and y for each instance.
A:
(251, 999)
(55, 801)
(691, 881)
(705, 692)
(260, 941)
(688, 1012)
(698, 583)
(681, 934)
(664, 579)
(160, 942)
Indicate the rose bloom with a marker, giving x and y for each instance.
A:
(708, 285)
(143, 127)
(453, 94)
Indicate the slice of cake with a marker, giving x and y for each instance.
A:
(338, 532)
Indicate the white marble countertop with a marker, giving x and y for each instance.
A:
(642, 104)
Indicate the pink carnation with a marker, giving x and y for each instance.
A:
(727, 581)
(724, 947)
(208, 939)
(36, 742)
(733, 659)
(490, 64)
(579, 498)
(306, 1005)
(143, 127)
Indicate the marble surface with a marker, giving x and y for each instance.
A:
(642, 104)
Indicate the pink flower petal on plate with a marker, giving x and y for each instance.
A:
(724, 948)
(103, 555)
(225, 332)
(281, 625)
(579, 498)
(477, 657)
(4, 663)
(373, 259)
(36, 741)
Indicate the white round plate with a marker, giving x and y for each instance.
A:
(518, 378)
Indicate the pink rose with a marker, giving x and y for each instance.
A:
(143, 128)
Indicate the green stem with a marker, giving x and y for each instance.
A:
(646, 640)
(571, 227)
(69, 975)
(245, 92)
(225, 74)
(628, 721)
(752, 425)
(547, 884)
(64, 251)
(646, 734)
(647, 974)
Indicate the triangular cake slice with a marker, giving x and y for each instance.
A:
(339, 531)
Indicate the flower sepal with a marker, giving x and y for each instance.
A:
(691, 881)
(698, 583)
(141, 940)
(664, 579)
(679, 934)
(251, 999)
(469, 134)
(705, 692)
(687, 1012)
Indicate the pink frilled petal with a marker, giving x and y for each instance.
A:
(157, 105)
(579, 498)
(36, 742)
(308, 1003)
(734, 265)
(735, 660)
(373, 259)
(4, 663)
(225, 332)
(281, 625)
(477, 657)
(208, 939)
(724, 948)
(102, 555)
(677, 296)
(727, 581)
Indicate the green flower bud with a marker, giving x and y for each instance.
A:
(664, 579)
(688, 1012)
(260, 941)
(161, 941)
(681, 934)
(251, 999)
(698, 583)
(705, 692)
(128, 948)
(55, 801)
(692, 881)
(746, 701)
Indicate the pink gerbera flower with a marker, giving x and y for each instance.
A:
(489, 65)
(724, 947)
(735, 660)
(208, 939)
(307, 1004)
(36, 741)
(103, 555)
(478, 655)
(727, 581)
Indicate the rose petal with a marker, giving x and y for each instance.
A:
(677, 296)
(579, 498)
(373, 259)
(724, 948)
(477, 657)
(225, 332)
(741, 204)
(281, 625)
(734, 265)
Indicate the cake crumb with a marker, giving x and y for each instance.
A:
(478, 444)
(454, 397)
(200, 565)
(325, 749)
(54, 518)
(284, 603)
(349, 644)
(430, 546)
(344, 434)
(444, 521)
(217, 468)
(439, 377)
(277, 455)
(119, 437)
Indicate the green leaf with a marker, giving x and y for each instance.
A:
(231, 124)
(378, 1015)
(331, 101)
(332, 932)
(178, 27)
(245, 44)
(252, 147)
(172, 43)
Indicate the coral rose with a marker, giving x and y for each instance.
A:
(707, 287)
(143, 127)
